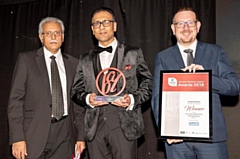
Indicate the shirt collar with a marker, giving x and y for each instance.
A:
(113, 44)
(47, 53)
(193, 46)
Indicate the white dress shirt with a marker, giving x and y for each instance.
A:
(106, 57)
(62, 73)
(184, 55)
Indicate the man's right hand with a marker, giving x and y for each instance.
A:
(19, 149)
(171, 141)
(95, 103)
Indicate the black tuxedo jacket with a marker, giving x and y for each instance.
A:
(29, 109)
(138, 83)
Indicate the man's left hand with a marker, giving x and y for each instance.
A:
(193, 68)
(80, 146)
(123, 101)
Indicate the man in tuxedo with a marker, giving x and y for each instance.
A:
(37, 129)
(111, 128)
(224, 82)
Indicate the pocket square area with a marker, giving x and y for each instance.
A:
(128, 67)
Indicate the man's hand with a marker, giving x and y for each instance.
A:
(122, 102)
(95, 103)
(19, 149)
(193, 68)
(170, 141)
(80, 146)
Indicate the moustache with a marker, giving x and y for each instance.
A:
(53, 41)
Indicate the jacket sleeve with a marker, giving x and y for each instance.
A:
(144, 80)
(79, 94)
(79, 113)
(16, 100)
(224, 81)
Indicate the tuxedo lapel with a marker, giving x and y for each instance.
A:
(95, 62)
(120, 53)
(43, 69)
(90, 70)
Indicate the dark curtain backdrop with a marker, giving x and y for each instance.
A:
(141, 23)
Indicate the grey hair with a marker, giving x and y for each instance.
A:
(49, 19)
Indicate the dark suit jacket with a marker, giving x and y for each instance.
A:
(224, 79)
(138, 83)
(29, 109)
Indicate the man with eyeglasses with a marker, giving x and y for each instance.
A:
(43, 121)
(112, 128)
(190, 55)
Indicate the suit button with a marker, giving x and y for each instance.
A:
(105, 118)
(105, 109)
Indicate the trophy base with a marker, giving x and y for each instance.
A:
(107, 98)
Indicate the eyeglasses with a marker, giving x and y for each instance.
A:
(105, 23)
(49, 33)
(190, 23)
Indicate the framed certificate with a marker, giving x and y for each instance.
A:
(185, 105)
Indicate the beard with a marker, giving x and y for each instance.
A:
(187, 38)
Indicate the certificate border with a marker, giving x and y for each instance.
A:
(199, 139)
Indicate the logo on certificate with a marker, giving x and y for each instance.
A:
(172, 82)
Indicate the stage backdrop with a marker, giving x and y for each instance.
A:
(228, 36)
(141, 23)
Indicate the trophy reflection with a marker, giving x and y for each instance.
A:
(110, 83)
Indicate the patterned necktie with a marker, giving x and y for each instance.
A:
(57, 96)
(189, 56)
(108, 49)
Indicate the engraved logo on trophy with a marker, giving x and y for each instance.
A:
(106, 83)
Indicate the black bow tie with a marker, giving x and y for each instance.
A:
(108, 49)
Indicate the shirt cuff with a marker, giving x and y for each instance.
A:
(131, 105)
(87, 101)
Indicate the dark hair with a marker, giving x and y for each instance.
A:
(185, 9)
(105, 9)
